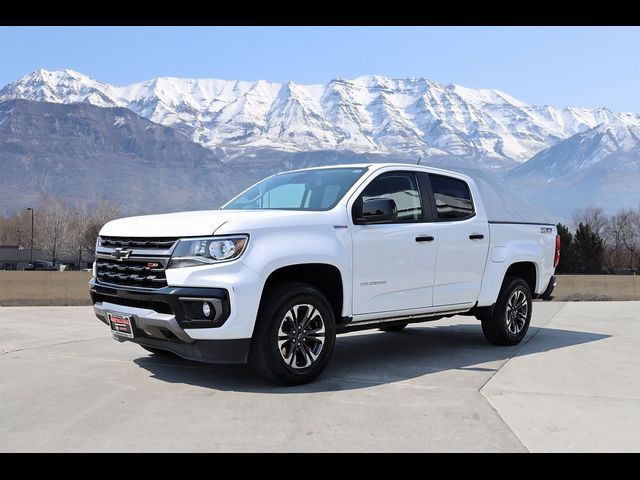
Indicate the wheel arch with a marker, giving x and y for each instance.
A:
(325, 277)
(495, 273)
(528, 271)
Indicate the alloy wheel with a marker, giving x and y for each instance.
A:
(301, 336)
(517, 311)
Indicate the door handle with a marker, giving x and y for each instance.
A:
(476, 236)
(425, 238)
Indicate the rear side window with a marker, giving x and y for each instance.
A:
(452, 197)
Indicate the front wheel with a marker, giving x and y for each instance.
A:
(509, 321)
(295, 334)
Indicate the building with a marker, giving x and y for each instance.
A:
(13, 257)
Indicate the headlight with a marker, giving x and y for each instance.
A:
(191, 252)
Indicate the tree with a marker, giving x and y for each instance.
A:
(78, 220)
(20, 221)
(567, 262)
(54, 221)
(104, 212)
(589, 250)
(624, 240)
(594, 217)
(61, 227)
(86, 224)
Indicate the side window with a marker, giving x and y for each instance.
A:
(400, 187)
(452, 197)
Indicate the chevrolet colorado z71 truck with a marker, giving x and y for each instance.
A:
(272, 276)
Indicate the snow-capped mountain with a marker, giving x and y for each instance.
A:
(84, 153)
(559, 159)
(619, 138)
(599, 167)
(371, 114)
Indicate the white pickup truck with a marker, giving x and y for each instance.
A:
(271, 277)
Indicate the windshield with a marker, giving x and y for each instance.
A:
(303, 190)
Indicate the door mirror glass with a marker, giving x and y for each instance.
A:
(378, 210)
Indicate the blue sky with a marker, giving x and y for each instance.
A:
(587, 66)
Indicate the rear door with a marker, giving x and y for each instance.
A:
(463, 241)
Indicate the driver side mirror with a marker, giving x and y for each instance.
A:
(377, 210)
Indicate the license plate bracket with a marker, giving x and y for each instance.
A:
(120, 324)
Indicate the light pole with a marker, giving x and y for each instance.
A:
(19, 240)
(31, 255)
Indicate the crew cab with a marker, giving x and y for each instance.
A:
(272, 276)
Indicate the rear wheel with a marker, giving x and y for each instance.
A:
(398, 327)
(295, 334)
(508, 322)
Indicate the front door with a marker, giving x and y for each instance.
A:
(394, 263)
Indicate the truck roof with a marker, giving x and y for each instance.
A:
(378, 166)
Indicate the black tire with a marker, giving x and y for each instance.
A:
(398, 327)
(159, 351)
(497, 326)
(268, 358)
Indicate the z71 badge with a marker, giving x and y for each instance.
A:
(546, 230)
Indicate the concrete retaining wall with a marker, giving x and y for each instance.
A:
(70, 288)
(597, 287)
(44, 288)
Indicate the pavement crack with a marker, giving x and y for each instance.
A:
(521, 346)
(511, 356)
(4, 352)
(563, 394)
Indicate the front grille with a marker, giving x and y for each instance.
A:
(153, 243)
(148, 274)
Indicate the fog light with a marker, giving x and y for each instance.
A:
(206, 309)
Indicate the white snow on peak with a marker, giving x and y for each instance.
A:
(373, 114)
(617, 140)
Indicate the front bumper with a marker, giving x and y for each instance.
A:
(159, 319)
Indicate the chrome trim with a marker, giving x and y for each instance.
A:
(144, 319)
(161, 260)
(143, 258)
(409, 317)
(100, 283)
(137, 251)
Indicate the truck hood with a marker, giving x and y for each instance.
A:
(199, 223)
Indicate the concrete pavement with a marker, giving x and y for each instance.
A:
(65, 385)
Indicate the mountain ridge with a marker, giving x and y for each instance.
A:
(599, 167)
(87, 153)
(369, 114)
(557, 159)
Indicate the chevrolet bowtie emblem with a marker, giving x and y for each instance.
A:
(120, 253)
